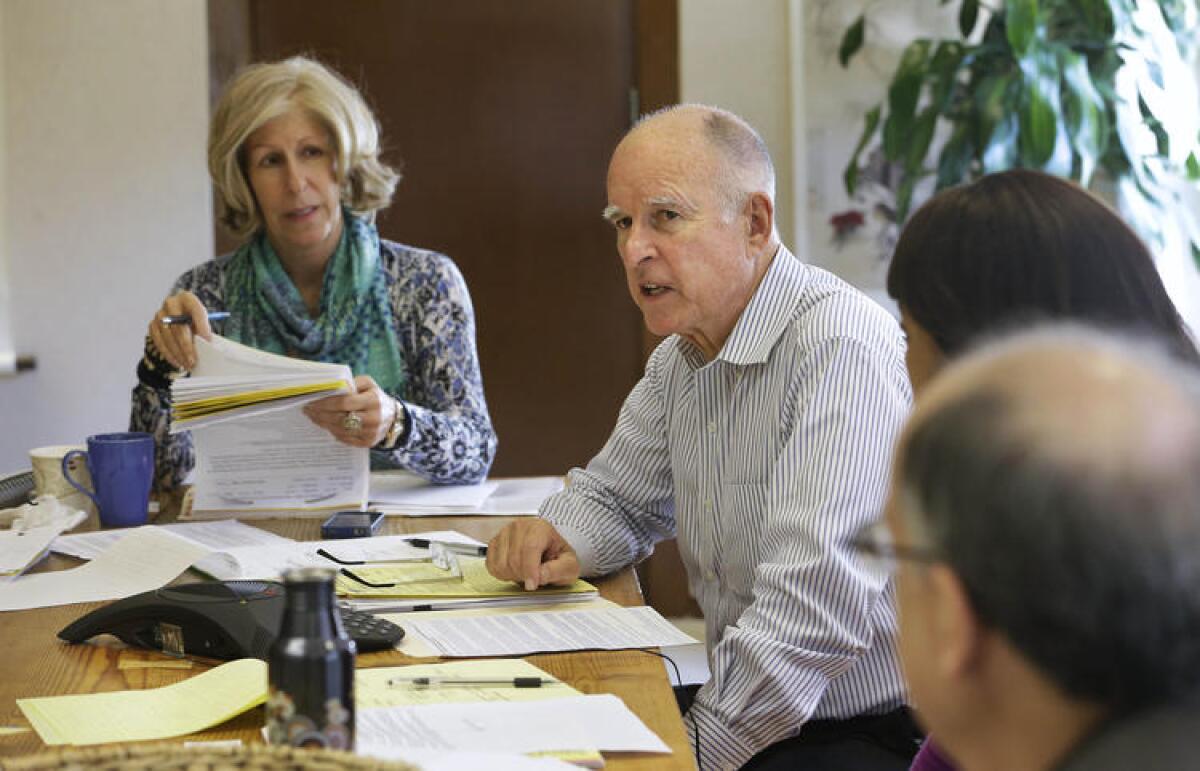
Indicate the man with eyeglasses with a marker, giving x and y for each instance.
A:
(1044, 524)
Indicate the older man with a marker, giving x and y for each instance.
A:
(760, 435)
(1045, 516)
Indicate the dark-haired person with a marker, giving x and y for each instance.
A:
(1043, 527)
(1016, 247)
(1010, 249)
(293, 151)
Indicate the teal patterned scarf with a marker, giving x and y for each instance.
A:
(355, 325)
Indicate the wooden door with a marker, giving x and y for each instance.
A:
(502, 115)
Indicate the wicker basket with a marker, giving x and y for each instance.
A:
(175, 757)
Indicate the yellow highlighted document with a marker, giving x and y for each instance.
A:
(132, 716)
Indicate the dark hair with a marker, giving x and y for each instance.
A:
(1090, 568)
(1021, 246)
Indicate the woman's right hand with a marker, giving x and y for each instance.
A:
(175, 341)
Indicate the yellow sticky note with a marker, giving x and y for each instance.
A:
(195, 704)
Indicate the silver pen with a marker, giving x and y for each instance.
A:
(185, 319)
(500, 682)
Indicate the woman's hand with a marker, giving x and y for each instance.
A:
(360, 419)
(175, 341)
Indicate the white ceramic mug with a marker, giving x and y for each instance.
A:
(48, 476)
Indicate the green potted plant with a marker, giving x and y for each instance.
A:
(1084, 89)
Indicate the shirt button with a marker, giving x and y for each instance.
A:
(708, 504)
(710, 575)
(712, 426)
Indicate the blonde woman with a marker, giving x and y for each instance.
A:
(293, 152)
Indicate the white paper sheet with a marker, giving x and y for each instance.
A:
(223, 534)
(280, 460)
(145, 559)
(21, 549)
(524, 633)
(415, 645)
(443, 760)
(402, 488)
(601, 722)
(400, 493)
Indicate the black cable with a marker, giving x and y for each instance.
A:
(679, 682)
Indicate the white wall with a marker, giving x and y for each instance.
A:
(105, 199)
(735, 54)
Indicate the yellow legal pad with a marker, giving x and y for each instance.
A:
(422, 580)
(158, 713)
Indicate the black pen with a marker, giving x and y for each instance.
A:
(185, 319)
(502, 682)
(457, 548)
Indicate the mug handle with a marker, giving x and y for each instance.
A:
(66, 463)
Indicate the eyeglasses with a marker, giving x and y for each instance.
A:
(875, 542)
(439, 556)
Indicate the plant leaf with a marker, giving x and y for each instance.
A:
(1083, 112)
(1038, 111)
(1000, 148)
(995, 98)
(850, 175)
(902, 98)
(1192, 167)
(918, 143)
(943, 72)
(1021, 23)
(852, 40)
(967, 16)
(955, 161)
(904, 196)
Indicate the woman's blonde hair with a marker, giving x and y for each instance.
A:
(261, 92)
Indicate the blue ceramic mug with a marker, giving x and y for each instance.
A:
(122, 468)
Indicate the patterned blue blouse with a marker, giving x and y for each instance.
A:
(449, 439)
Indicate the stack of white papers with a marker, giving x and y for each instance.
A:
(145, 558)
(232, 550)
(600, 722)
(519, 634)
(255, 447)
(404, 493)
(403, 490)
(218, 535)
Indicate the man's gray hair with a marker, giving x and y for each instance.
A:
(747, 166)
(1086, 557)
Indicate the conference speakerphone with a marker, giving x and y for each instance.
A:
(217, 619)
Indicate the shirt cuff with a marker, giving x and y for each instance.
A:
(582, 546)
(720, 747)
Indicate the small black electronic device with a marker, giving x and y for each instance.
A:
(218, 619)
(16, 489)
(352, 524)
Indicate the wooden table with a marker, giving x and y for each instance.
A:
(34, 662)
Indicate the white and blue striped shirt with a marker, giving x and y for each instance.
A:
(764, 462)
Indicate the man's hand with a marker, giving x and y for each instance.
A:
(532, 551)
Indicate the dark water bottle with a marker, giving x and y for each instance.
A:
(311, 667)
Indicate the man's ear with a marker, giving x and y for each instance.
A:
(957, 628)
(760, 220)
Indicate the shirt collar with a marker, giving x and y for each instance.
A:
(765, 317)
